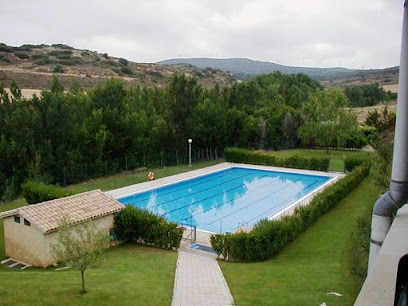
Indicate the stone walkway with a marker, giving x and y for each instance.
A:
(199, 281)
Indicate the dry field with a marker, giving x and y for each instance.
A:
(362, 112)
(27, 93)
(392, 88)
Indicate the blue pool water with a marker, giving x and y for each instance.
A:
(221, 201)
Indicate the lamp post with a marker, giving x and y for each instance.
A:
(189, 151)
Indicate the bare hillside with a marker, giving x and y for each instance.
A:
(34, 66)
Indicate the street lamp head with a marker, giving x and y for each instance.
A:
(190, 140)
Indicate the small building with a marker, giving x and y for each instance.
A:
(29, 231)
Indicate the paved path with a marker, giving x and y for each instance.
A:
(199, 281)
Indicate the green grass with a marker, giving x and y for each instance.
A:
(130, 275)
(318, 262)
(106, 183)
(337, 157)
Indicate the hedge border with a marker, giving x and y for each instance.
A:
(268, 238)
(236, 155)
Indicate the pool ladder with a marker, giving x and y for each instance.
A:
(192, 236)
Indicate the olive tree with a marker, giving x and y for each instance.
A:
(80, 246)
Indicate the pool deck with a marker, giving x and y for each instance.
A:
(141, 187)
(132, 189)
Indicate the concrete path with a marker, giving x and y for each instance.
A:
(199, 281)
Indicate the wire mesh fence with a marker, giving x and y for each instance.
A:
(80, 172)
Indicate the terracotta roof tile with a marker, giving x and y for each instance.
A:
(77, 208)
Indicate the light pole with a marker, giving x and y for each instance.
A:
(189, 151)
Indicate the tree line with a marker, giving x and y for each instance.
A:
(47, 134)
(367, 95)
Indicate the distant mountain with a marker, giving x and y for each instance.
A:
(242, 66)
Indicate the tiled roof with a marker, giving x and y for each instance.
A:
(77, 208)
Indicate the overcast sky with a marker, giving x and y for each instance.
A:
(324, 33)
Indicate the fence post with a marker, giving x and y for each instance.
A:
(126, 163)
(106, 168)
(65, 178)
(86, 171)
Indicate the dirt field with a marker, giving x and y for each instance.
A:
(392, 88)
(27, 93)
(362, 112)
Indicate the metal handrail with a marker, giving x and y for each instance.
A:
(192, 236)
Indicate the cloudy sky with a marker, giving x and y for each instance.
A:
(324, 33)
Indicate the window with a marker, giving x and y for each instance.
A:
(113, 234)
(16, 219)
(26, 222)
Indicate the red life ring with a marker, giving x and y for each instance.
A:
(151, 176)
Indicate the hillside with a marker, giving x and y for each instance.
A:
(245, 68)
(33, 66)
(251, 67)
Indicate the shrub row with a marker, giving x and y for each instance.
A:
(350, 163)
(36, 192)
(134, 224)
(236, 155)
(268, 238)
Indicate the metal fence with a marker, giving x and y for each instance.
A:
(76, 173)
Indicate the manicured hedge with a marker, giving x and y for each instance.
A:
(353, 162)
(268, 238)
(237, 155)
(36, 192)
(134, 224)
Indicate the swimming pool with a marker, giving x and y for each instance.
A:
(223, 201)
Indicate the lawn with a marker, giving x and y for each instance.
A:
(337, 157)
(108, 183)
(130, 275)
(316, 263)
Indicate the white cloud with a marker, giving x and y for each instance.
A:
(314, 33)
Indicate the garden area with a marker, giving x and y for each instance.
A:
(129, 274)
(319, 261)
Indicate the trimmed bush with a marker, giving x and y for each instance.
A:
(36, 192)
(268, 238)
(237, 155)
(134, 224)
(350, 163)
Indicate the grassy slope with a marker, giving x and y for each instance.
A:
(337, 156)
(130, 275)
(318, 262)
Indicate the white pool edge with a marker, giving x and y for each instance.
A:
(180, 177)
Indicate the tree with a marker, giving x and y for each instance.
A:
(123, 61)
(56, 87)
(328, 123)
(80, 246)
